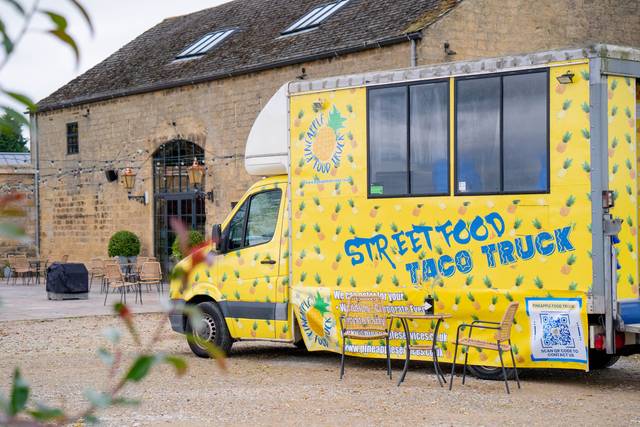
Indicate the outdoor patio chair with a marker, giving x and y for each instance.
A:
(500, 341)
(140, 260)
(41, 270)
(364, 319)
(20, 268)
(96, 270)
(150, 274)
(116, 281)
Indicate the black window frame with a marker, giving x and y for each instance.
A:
(246, 220)
(301, 29)
(408, 127)
(73, 147)
(456, 191)
(220, 32)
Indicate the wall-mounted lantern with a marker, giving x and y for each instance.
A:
(129, 182)
(195, 173)
(566, 78)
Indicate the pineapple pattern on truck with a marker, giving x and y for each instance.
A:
(465, 255)
(622, 152)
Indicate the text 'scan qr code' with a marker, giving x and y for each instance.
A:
(556, 330)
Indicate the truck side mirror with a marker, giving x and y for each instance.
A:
(217, 238)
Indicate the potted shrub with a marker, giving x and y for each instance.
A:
(125, 245)
(195, 238)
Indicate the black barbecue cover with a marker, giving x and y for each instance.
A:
(67, 279)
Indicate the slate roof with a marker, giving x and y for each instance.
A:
(15, 159)
(147, 63)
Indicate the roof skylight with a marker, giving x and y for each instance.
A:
(316, 17)
(205, 44)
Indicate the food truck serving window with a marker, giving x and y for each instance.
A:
(409, 140)
(502, 137)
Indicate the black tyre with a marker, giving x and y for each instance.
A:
(601, 360)
(300, 344)
(490, 373)
(212, 328)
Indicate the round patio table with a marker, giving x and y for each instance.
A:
(404, 319)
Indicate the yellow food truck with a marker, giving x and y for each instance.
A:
(454, 188)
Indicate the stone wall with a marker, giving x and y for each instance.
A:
(487, 28)
(81, 211)
(20, 180)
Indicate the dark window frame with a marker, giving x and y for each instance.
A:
(305, 28)
(245, 221)
(218, 43)
(547, 190)
(408, 127)
(73, 147)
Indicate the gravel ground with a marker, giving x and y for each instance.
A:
(269, 384)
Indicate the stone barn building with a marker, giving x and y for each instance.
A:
(193, 85)
(18, 176)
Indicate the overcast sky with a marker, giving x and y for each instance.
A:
(41, 65)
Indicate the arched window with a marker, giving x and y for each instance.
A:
(170, 164)
(175, 196)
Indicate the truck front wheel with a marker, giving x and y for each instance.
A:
(212, 328)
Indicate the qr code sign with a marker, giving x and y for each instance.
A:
(555, 330)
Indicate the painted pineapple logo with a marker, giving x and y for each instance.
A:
(314, 319)
(324, 141)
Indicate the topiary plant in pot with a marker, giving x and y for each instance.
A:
(125, 245)
(195, 238)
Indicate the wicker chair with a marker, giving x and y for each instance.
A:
(116, 281)
(96, 270)
(500, 342)
(151, 275)
(364, 319)
(41, 271)
(20, 267)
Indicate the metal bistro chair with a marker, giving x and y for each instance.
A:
(150, 274)
(364, 319)
(501, 342)
(116, 281)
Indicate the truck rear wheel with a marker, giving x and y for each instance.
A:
(601, 360)
(490, 373)
(212, 329)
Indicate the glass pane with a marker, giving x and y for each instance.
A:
(429, 138)
(525, 145)
(478, 135)
(388, 141)
(236, 227)
(263, 217)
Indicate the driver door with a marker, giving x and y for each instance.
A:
(249, 273)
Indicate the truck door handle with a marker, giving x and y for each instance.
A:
(267, 261)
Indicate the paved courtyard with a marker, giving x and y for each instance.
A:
(30, 302)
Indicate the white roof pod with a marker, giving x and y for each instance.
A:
(267, 146)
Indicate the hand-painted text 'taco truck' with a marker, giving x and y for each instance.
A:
(454, 188)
